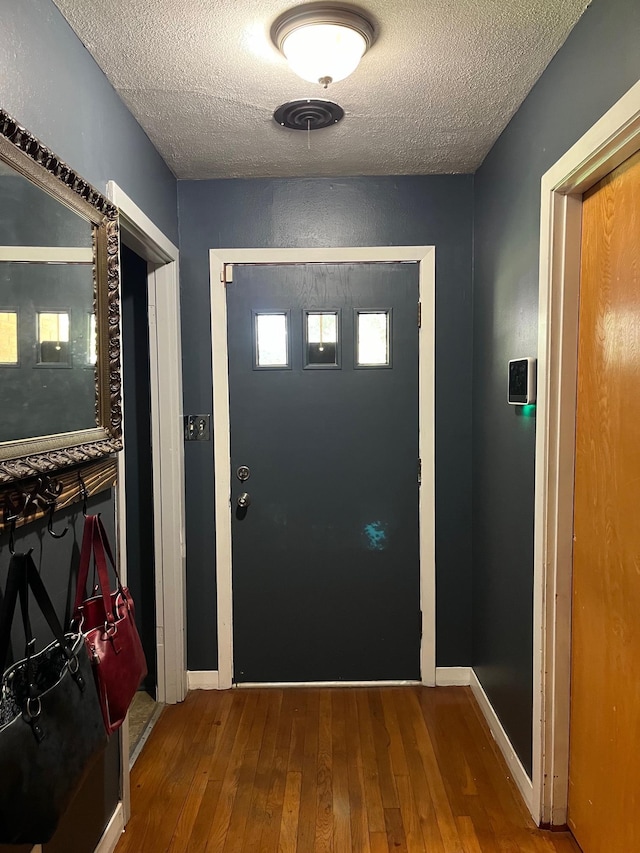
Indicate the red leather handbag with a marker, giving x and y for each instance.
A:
(108, 625)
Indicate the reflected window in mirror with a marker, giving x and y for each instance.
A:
(92, 337)
(53, 337)
(8, 338)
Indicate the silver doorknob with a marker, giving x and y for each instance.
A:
(244, 500)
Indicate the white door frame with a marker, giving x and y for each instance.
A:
(220, 261)
(614, 138)
(139, 233)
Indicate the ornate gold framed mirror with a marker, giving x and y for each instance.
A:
(59, 312)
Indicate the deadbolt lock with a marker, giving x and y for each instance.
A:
(243, 473)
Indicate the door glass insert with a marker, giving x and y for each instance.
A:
(271, 339)
(373, 334)
(321, 339)
(53, 337)
(8, 337)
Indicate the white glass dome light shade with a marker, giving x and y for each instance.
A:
(324, 52)
(323, 43)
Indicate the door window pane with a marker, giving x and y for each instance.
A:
(321, 339)
(8, 337)
(373, 339)
(272, 339)
(53, 337)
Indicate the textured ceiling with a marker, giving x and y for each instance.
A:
(431, 96)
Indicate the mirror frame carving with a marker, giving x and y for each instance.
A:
(32, 456)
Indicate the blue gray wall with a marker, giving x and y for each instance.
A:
(50, 83)
(345, 212)
(598, 63)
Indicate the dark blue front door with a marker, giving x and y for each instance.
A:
(323, 379)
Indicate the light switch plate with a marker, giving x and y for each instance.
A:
(197, 427)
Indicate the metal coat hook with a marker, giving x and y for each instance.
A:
(12, 530)
(49, 490)
(52, 509)
(84, 494)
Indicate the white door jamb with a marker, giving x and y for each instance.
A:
(424, 256)
(165, 360)
(614, 138)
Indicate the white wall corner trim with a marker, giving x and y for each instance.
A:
(203, 679)
(517, 771)
(113, 831)
(611, 141)
(453, 676)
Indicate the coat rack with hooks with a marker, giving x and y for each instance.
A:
(25, 501)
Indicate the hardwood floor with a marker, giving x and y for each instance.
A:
(402, 769)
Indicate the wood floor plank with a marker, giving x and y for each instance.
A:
(379, 842)
(444, 813)
(467, 833)
(424, 804)
(290, 813)
(382, 741)
(341, 806)
(224, 808)
(261, 784)
(395, 831)
(324, 776)
(314, 770)
(308, 789)
(373, 794)
(409, 814)
(359, 815)
(390, 697)
(275, 802)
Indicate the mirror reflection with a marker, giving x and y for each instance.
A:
(47, 349)
(29, 216)
(47, 321)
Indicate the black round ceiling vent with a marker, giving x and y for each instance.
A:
(308, 114)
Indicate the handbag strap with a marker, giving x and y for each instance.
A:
(107, 548)
(83, 567)
(17, 569)
(23, 574)
(96, 543)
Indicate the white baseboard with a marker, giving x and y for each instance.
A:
(203, 679)
(453, 676)
(518, 773)
(112, 833)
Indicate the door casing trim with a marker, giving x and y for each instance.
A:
(165, 360)
(424, 256)
(612, 140)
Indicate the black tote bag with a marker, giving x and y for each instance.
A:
(51, 726)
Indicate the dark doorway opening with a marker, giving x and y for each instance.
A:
(139, 476)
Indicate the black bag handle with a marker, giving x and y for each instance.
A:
(16, 569)
(23, 574)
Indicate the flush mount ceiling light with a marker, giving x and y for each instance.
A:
(323, 43)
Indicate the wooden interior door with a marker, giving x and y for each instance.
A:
(604, 770)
